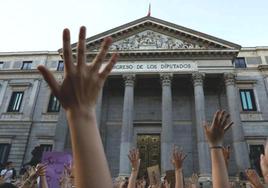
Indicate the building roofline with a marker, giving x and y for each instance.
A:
(156, 21)
(29, 53)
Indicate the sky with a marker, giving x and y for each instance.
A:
(36, 25)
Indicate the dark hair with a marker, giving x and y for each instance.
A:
(9, 163)
(7, 185)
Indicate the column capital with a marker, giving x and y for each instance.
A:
(198, 78)
(129, 79)
(229, 78)
(166, 79)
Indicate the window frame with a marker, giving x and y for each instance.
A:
(26, 65)
(46, 147)
(59, 67)
(13, 101)
(50, 107)
(1, 65)
(239, 63)
(244, 99)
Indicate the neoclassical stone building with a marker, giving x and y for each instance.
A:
(168, 81)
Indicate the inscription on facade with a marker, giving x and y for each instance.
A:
(150, 67)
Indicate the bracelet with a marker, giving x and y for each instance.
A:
(215, 147)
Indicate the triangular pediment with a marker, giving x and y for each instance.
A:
(151, 40)
(150, 34)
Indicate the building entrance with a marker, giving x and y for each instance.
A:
(149, 147)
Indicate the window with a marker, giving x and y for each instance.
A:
(26, 65)
(254, 155)
(4, 152)
(46, 147)
(60, 66)
(240, 62)
(15, 102)
(247, 100)
(1, 65)
(54, 104)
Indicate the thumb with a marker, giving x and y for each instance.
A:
(50, 79)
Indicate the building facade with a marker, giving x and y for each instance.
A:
(169, 80)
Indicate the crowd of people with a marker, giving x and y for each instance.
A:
(78, 94)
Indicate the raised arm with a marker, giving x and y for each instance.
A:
(264, 163)
(226, 154)
(78, 95)
(177, 161)
(134, 158)
(41, 171)
(215, 133)
(254, 178)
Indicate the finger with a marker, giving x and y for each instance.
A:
(184, 157)
(101, 55)
(67, 52)
(215, 118)
(225, 119)
(228, 126)
(51, 81)
(221, 116)
(108, 68)
(81, 56)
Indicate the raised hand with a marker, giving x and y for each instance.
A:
(226, 154)
(134, 158)
(78, 95)
(194, 179)
(41, 169)
(177, 158)
(264, 163)
(220, 124)
(254, 178)
(82, 82)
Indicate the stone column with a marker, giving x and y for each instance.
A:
(200, 118)
(127, 125)
(239, 143)
(167, 123)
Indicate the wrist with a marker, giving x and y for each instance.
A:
(216, 147)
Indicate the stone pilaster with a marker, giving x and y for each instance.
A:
(127, 125)
(200, 118)
(3, 87)
(239, 143)
(167, 123)
(61, 132)
(32, 99)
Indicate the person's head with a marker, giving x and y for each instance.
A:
(7, 185)
(9, 164)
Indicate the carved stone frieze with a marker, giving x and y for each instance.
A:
(148, 40)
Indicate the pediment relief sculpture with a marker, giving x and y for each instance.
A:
(150, 40)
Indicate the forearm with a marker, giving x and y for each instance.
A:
(219, 171)
(89, 157)
(132, 179)
(43, 182)
(178, 178)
